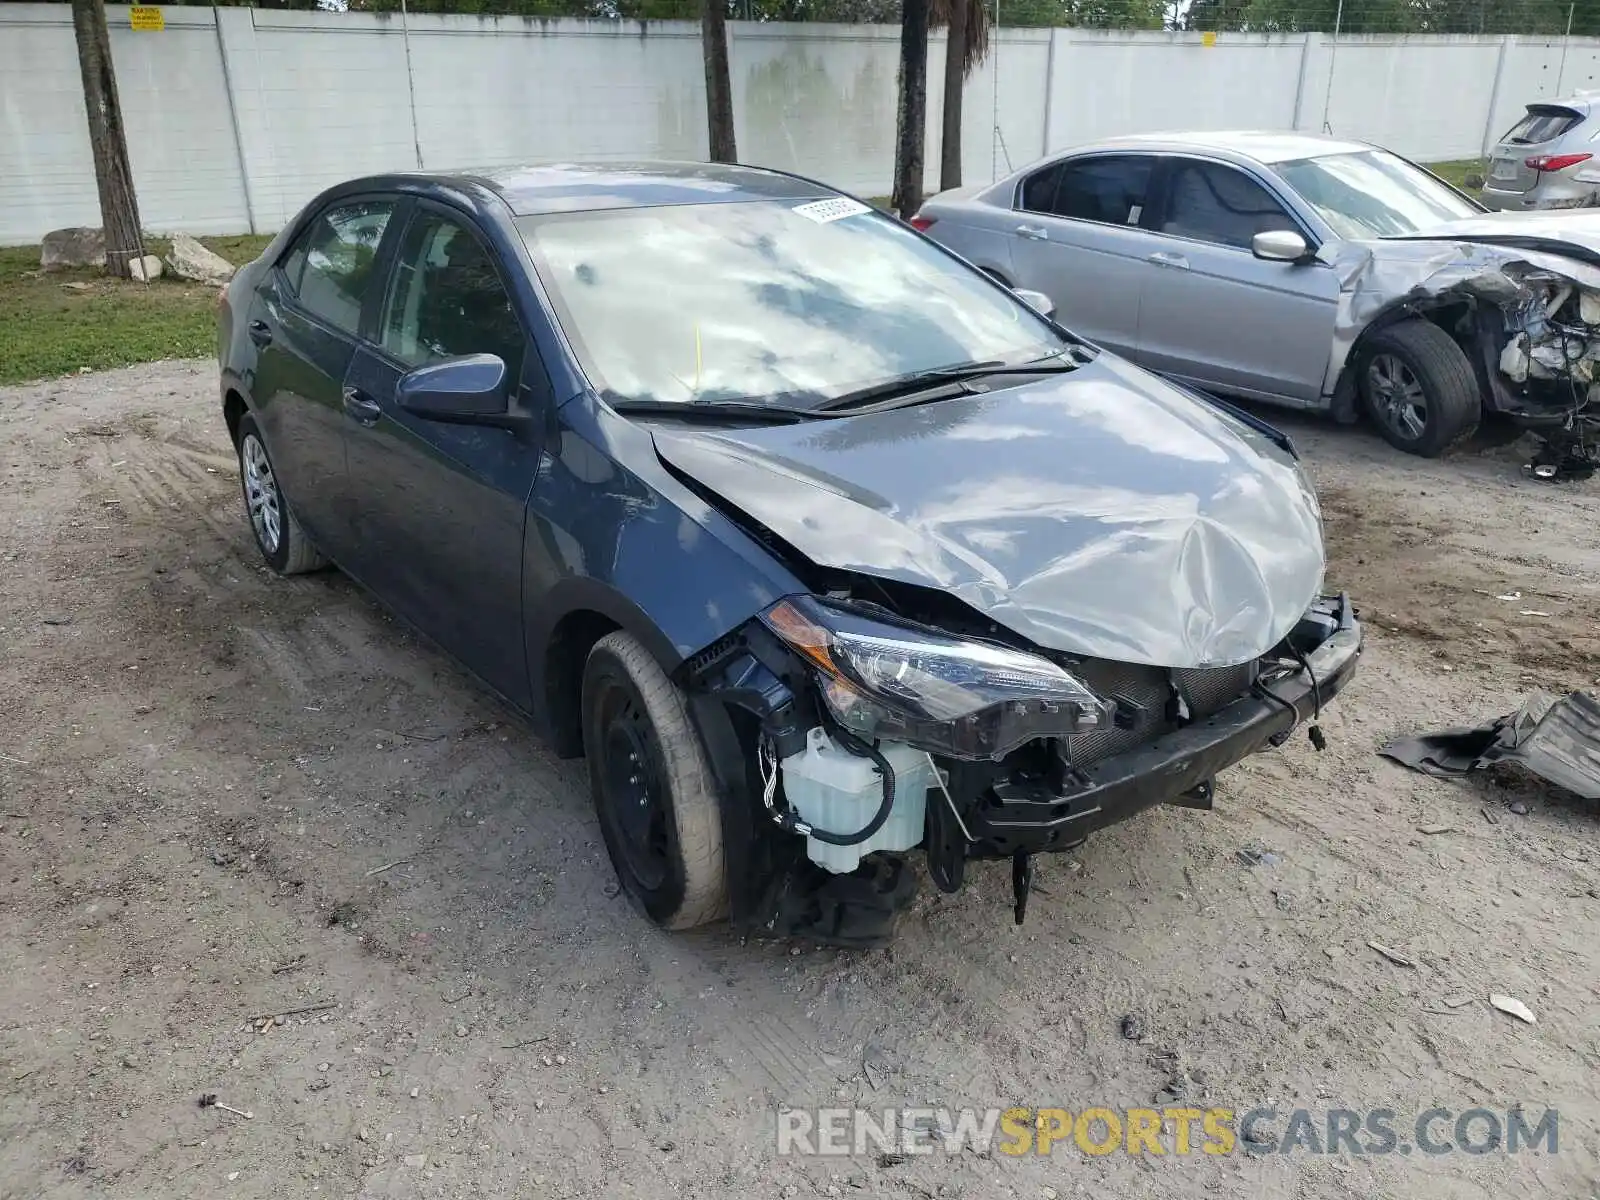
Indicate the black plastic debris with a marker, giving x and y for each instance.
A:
(1565, 455)
(1556, 739)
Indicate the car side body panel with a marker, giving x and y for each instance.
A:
(574, 551)
(613, 532)
(981, 234)
(1218, 317)
(1095, 274)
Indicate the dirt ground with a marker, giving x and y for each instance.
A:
(225, 795)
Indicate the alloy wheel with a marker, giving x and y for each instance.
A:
(1398, 399)
(261, 493)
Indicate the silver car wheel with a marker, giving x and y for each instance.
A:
(261, 493)
(1397, 395)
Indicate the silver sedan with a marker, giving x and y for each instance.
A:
(1250, 264)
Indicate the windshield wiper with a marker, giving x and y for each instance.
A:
(714, 410)
(921, 381)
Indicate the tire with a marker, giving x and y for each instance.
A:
(652, 787)
(1419, 388)
(283, 544)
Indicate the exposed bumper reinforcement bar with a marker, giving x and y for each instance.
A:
(1162, 771)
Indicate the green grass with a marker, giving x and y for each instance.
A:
(1458, 171)
(57, 322)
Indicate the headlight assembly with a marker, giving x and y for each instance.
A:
(903, 683)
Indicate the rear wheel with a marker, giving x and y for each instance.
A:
(652, 786)
(1419, 388)
(278, 535)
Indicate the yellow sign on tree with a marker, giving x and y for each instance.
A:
(146, 18)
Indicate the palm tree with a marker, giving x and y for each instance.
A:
(966, 44)
(719, 86)
(119, 209)
(911, 114)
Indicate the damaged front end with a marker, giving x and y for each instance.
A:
(849, 733)
(1525, 305)
(1025, 613)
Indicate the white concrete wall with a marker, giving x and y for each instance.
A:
(174, 104)
(1424, 99)
(1108, 83)
(237, 116)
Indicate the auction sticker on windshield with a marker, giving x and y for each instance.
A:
(823, 211)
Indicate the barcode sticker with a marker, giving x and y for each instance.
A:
(823, 211)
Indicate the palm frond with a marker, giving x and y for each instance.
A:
(977, 42)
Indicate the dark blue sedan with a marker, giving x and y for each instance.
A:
(821, 545)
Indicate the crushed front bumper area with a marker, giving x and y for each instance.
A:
(1175, 768)
(984, 809)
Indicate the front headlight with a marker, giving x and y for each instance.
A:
(902, 683)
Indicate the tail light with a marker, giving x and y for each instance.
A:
(1555, 162)
(922, 224)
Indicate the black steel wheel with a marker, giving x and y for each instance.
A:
(652, 788)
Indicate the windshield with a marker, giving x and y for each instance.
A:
(1374, 194)
(771, 301)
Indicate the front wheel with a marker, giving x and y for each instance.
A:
(652, 787)
(1419, 388)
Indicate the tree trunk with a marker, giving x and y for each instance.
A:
(119, 209)
(955, 75)
(911, 122)
(719, 85)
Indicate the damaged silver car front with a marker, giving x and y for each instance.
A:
(1523, 302)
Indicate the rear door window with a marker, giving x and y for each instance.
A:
(1107, 189)
(1542, 123)
(1212, 202)
(1039, 190)
(330, 265)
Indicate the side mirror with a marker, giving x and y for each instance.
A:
(1280, 245)
(1038, 301)
(471, 390)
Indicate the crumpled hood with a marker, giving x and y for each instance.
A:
(1579, 228)
(1100, 512)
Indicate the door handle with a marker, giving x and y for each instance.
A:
(1034, 233)
(261, 333)
(361, 406)
(1166, 258)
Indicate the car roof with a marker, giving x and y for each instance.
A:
(580, 187)
(1259, 145)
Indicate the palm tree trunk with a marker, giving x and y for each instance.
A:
(955, 74)
(113, 176)
(719, 85)
(912, 117)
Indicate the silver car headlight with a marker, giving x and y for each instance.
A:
(906, 683)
